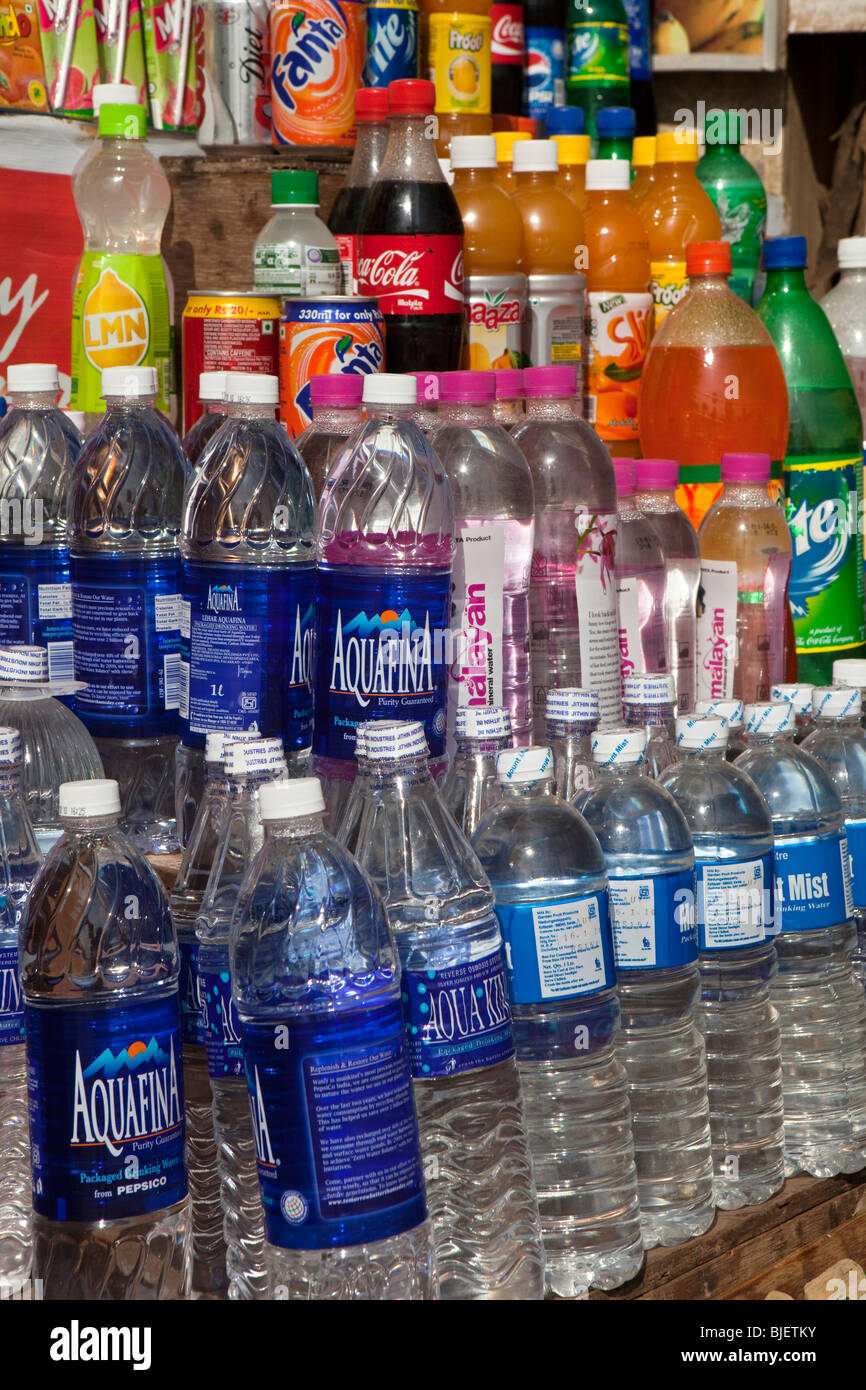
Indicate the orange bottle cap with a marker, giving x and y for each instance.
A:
(708, 258)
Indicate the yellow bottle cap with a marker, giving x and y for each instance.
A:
(505, 141)
(573, 149)
(643, 151)
(676, 147)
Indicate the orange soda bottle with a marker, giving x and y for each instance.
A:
(505, 141)
(573, 153)
(676, 211)
(643, 158)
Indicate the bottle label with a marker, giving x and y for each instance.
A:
(192, 1030)
(36, 602)
(653, 921)
(735, 903)
(477, 596)
(544, 72)
(557, 950)
(347, 244)
(595, 587)
(813, 883)
(381, 653)
(598, 55)
(668, 284)
(742, 212)
(105, 1090)
(460, 62)
(247, 650)
(618, 328)
(458, 1018)
(296, 268)
(11, 1003)
(823, 497)
(120, 318)
(855, 831)
(392, 42)
(412, 274)
(631, 653)
(639, 60)
(495, 307)
(220, 1024)
(717, 630)
(508, 40)
(334, 1124)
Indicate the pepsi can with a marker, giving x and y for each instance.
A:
(392, 42)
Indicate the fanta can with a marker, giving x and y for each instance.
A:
(318, 49)
(342, 335)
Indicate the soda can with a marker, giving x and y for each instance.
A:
(237, 69)
(226, 331)
(318, 48)
(392, 42)
(342, 334)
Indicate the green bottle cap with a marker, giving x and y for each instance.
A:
(122, 121)
(294, 186)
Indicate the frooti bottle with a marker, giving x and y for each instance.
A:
(99, 971)
(597, 73)
(799, 697)
(38, 449)
(477, 1164)
(336, 401)
(212, 394)
(383, 596)
(656, 499)
(124, 518)
(676, 212)
(410, 253)
(733, 837)
(336, 1135)
(738, 196)
(648, 704)
(471, 786)
(742, 602)
(640, 582)
(572, 594)
(494, 525)
(295, 254)
(650, 863)
(371, 140)
(572, 719)
(550, 889)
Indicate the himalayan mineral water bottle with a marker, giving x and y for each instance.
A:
(648, 704)
(461, 1051)
(733, 837)
(732, 713)
(335, 398)
(655, 497)
(572, 719)
(799, 697)
(212, 394)
(640, 581)
(472, 787)
(99, 969)
(550, 888)
(651, 870)
(821, 1004)
(316, 982)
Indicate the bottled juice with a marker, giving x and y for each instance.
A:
(676, 211)
(505, 141)
(643, 158)
(573, 151)
(455, 55)
(712, 383)
(551, 230)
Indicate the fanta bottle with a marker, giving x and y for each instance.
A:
(455, 55)
(573, 153)
(643, 159)
(676, 211)
(505, 142)
(318, 51)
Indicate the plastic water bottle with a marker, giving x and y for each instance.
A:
(508, 407)
(733, 837)
(248, 766)
(732, 713)
(651, 872)
(212, 394)
(426, 413)
(38, 447)
(477, 1166)
(56, 747)
(572, 597)
(648, 704)
(821, 1005)
(572, 719)
(494, 524)
(851, 673)
(845, 307)
(335, 398)
(19, 862)
(550, 888)
(472, 787)
(383, 596)
(640, 582)
(799, 697)
(99, 970)
(124, 517)
(656, 498)
(316, 982)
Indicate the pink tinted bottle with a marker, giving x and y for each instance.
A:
(640, 582)
(336, 401)
(656, 497)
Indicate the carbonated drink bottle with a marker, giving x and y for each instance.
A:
(845, 307)
(295, 254)
(738, 196)
(640, 582)
(656, 499)
(596, 73)
(336, 401)
(508, 56)
(508, 407)
(648, 704)
(371, 141)
(676, 212)
(212, 394)
(565, 120)
(471, 786)
(572, 719)
(614, 128)
(640, 64)
(799, 697)
(544, 71)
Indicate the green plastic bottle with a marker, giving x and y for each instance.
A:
(823, 469)
(596, 64)
(615, 126)
(739, 196)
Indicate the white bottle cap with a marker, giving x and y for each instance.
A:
(10, 745)
(212, 386)
(729, 710)
(32, 376)
(836, 702)
(23, 665)
(129, 381)
(391, 740)
(524, 764)
(261, 755)
(98, 797)
(849, 670)
(769, 719)
(618, 746)
(302, 796)
(535, 157)
(252, 388)
(612, 174)
(800, 696)
(488, 722)
(852, 256)
(473, 152)
(648, 690)
(570, 704)
(114, 94)
(704, 732)
(389, 388)
(218, 741)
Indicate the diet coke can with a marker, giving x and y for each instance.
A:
(237, 102)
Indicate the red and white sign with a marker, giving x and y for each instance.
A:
(508, 39)
(412, 274)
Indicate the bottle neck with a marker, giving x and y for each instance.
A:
(381, 410)
(90, 825)
(552, 408)
(853, 274)
(576, 729)
(784, 737)
(536, 178)
(32, 400)
(337, 419)
(249, 410)
(614, 147)
(656, 499)
(715, 754)
(746, 494)
(522, 791)
(393, 776)
(371, 141)
(597, 198)
(849, 725)
(215, 408)
(638, 716)
(130, 402)
(787, 280)
(411, 151)
(472, 179)
(277, 208)
(616, 772)
(468, 748)
(466, 412)
(295, 827)
(709, 283)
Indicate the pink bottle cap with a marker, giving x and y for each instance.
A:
(745, 468)
(467, 386)
(336, 388)
(626, 477)
(550, 381)
(428, 386)
(509, 384)
(657, 472)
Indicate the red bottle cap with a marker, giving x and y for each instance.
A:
(411, 96)
(371, 104)
(708, 258)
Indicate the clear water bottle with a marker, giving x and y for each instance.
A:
(99, 969)
(648, 704)
(732, 713)
(56, 747)
(426, 413)
(508, 407)
(494, 526)
(821, 1004)
(19, 864)
(733, 837)
(651, 876)
(572, 597)
(800, 698)
(549, 882)
(640, 581)
(572, 719)
(851, 672)
(335, 400)
(656, 497)
(38, 447)
(248, 766)
(314, 965)
(477, 1166)
(124, 518)
(212, 394)
(472, 787)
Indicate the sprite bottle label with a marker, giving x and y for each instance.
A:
(120, 318)
(597, 54)
(823, 504)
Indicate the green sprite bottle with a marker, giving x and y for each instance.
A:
(615, 129)
(596, 66)
(739, 197)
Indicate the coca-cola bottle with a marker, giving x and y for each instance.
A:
(507, 55)
(411, 240)
(371, 120)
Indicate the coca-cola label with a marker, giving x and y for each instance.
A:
(508, 41)
(346, 247)
(412, 274)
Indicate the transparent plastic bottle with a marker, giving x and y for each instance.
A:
(356, 1186)
(656, 498)
(471, 786)
(572, 719)
(247, 766)
(494, 525)
(508, 407)
(336, 401)
(295, 254)
(800, 698)
(733, 838)
(477, 1166)
(851, 672)
(99, 971)
(212, 394)
(572, 596)
(426, 413)
(821, 1004)
(20, 858)
(651, 881)
(648, 704)
(640, 582)
(550, 889)
(732, 713)
(845, 307)
(124, 518)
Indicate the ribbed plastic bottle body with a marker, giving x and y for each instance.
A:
(640, 585)
(679, 543)
(572, 755)
(471, 786)
(324, 440)
(57, 748)
(658, 723)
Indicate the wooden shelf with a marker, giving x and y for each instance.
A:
(826, 17)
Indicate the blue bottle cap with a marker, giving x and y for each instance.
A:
(615, 121)
(785, 253)
(566, 120)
